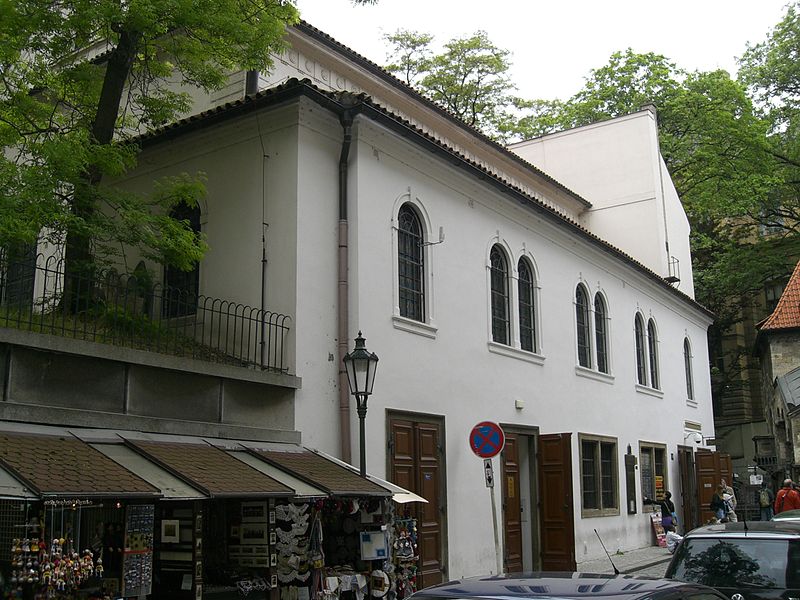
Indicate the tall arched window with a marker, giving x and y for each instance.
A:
(601, 333)
(652, 351)
(499, 284)
(687, 365)
(582, 321)
(411, 265)
(527, 308)
(181, 288)
(641, 364)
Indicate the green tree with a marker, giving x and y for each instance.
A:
(80, 78)
(469, 78)
(771, 71)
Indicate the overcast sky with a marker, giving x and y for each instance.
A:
(554, 43)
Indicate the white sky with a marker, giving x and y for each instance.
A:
(555, 43)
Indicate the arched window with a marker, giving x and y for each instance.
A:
(527, 308)
(652, 351)
(499, 284)
(181, 288)
(601, 333)
(582, 321)
(641, 366)
(411, 265)
(687, 365)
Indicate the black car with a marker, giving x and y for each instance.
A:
(567, 586)
(744, 561)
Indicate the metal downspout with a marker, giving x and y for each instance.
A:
(346, 120)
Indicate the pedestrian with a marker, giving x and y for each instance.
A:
(673, 539)
(730, 497)
(787, 498)
(717, 505)
(668, 516)
(765, 500)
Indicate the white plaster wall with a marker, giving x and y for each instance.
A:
(678, 231)
(616, 165)
(456, 375)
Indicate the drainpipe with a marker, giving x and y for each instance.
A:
(346, 120)
(251, 83)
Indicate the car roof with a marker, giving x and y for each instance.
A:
(784, 528)
(788, 514)
(552, 584)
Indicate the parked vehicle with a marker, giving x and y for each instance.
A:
(566, 586)
(788, 515)
(744, 560)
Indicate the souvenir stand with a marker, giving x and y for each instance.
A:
(344, 549)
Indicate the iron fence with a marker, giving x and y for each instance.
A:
(113, 308)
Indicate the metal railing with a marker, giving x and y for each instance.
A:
(112, 308)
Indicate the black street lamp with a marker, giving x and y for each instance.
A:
(361, 365)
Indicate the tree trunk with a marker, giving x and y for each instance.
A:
(78, 259)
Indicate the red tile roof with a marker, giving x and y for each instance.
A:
(66, 466)
(787, 313)
(321, 472)
(210, 469)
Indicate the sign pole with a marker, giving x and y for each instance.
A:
(488, 471)
(487, 440)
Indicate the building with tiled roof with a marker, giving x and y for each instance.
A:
(778, 346)
(339, 200)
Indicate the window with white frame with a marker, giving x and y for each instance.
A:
(582, 327)
(652, 354)
(687, 367)
(410, 264)
(526, 300)
(500, 300)
(641, 360)
(601, 333)
(599, 478)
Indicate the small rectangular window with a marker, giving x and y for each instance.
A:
(653, 469)
(599, 478)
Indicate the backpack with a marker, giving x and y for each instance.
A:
(763, 498)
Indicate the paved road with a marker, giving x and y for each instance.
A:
(654, 571)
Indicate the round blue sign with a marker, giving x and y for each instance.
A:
(487, 439)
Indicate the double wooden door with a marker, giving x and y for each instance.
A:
(417, 464)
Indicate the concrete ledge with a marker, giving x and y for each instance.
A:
(48, 415)
(65, 345)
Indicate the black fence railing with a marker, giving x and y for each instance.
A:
(113, 308)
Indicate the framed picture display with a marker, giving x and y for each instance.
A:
(254, 533)
(170, 531)
(254, 512)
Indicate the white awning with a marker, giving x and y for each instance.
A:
(12, 489)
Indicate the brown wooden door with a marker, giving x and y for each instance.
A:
(512, 505)
(711, 468)
(690, 515)
(555, 509)
(417, 465)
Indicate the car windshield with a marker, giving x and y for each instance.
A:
(738, 562)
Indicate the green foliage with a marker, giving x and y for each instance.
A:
(79, 79)
(771, 71)
(469, 78)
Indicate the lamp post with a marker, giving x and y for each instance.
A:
(361, 365)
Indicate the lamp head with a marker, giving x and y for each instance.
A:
(360, 365)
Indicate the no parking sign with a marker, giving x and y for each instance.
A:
(487, 439)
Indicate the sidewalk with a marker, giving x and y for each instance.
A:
(627, 562)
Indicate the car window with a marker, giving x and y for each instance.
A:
(744, 562)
